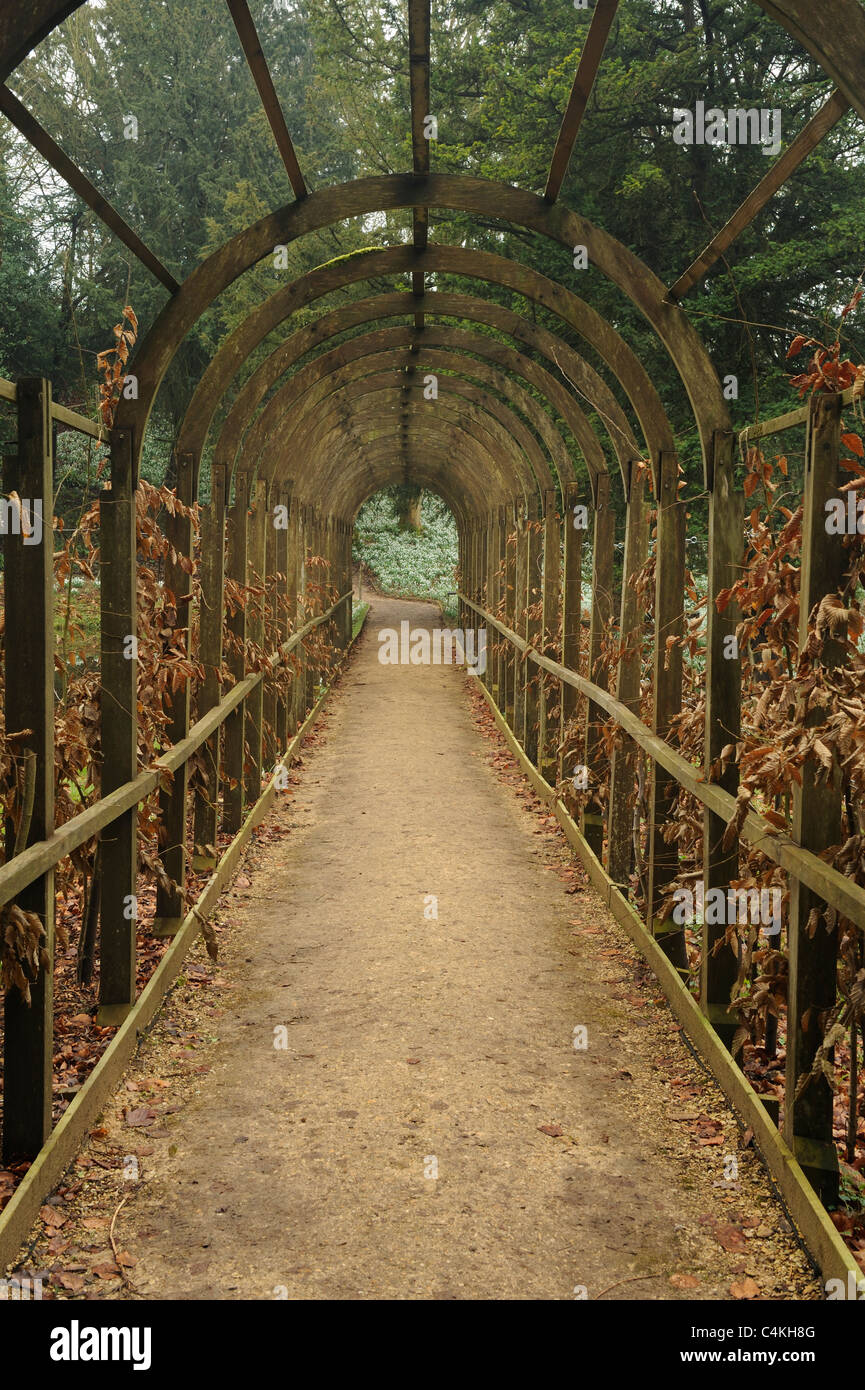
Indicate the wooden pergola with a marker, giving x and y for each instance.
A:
(523, 421)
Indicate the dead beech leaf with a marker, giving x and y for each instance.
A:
(51, 1216)
(73, 1282)
(745, 1288)
(730, 1238)
(141, 1117)
(554, 1131)
(684, 1281)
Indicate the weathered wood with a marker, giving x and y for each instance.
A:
(572, 612)
(816, 824)
(269, 745)
(210, 619)
(719, 963)
(246, 32)
(511, 577)
(28, 649)
(18, 1216)
(811, 1219)
(808, 138)
(282, 625)
(172, 800)
(78, 180)
(519, 616)
(828, 884)
(532, 630)
(624, 760)
(663, 858)
(119, 705)
(548, 731)
(591, 815)
(498, 658)
(255, 631)
(235, 724)
(584, 80)
(295, 593)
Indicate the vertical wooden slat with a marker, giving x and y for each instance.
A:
(255, 633)
(119, 680)
(550, 624)
(295, 608)
(281, 615)
(532, 634)
(816, 824)
(235, 724)
(719, 968)
(271, 633)
(591, 817)
(572, 615)
(663, 859)
(210, 618)
(172, 800)
(29, 676)
(624, 761)
(500, 597)
(519, 626)
(509, 656)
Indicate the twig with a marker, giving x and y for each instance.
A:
(635, 1278)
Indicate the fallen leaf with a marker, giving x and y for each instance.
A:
(554, 1131)
(730, 1238)
(51, 1216)
(140, 1117)
(684, 1281)
(745, 1288)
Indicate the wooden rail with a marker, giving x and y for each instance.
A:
(508, 579)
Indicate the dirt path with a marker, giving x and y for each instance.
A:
(428, 1130)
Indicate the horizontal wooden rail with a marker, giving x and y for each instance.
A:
(61, 413)
(799, 416)
(38, 858)
(48, 1167)
(826, 882)
(817, 1230)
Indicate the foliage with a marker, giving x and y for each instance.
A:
(407, 563)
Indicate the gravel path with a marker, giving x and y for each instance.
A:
(364, 1099)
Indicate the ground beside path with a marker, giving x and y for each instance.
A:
(364, 1099)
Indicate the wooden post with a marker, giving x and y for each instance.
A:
(119, 704)
(663, 859)
(816, 825)
(172, 800)
(520, 591)
(210, 619)
(719, 968)
(511, 576)
(591, 817)
(551, 628)
(500, 600)
(282, 626)
(296, 611)
(623, 770)
(29, 670)
(572, 611)
(235, 723)
(255, 634)
(313, 576)
(532, 634)
(269, 744)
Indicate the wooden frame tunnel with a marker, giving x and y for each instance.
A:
(522, 429)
